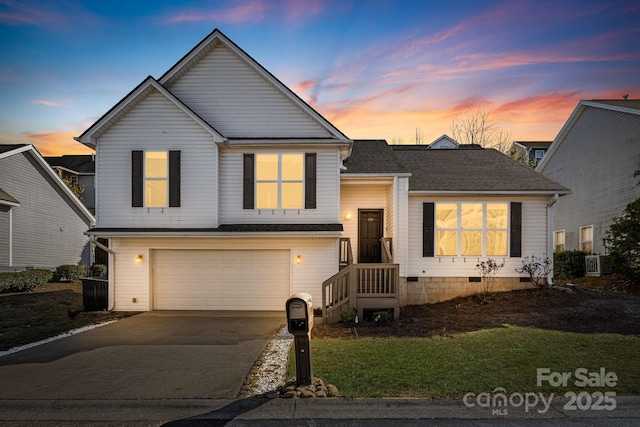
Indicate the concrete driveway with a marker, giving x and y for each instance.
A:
(154, 355)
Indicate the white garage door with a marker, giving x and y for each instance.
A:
(221, 280)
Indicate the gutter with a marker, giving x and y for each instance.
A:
(552, 202)
(112, 267)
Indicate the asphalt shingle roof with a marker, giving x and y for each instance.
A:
(373, 156)
(79, 163)
(458, 170)
(8, 147)
(464, 169)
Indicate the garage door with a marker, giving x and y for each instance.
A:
(221, 280)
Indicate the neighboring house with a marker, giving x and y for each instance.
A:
(445, 141)
(529, 152)
(595, 154)
(219, 188)
(42, 223)
(78, 169)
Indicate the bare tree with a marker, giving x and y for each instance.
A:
(475, 126)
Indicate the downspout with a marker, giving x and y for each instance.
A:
(11, 237)
(112, 279)
(552, 202)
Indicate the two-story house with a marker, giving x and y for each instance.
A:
(219, 188)
(596, 154)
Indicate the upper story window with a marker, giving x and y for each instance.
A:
(586, 239)
(471, 229)
(539, 154)
(156, 177)
(558, 241)
(279, 181)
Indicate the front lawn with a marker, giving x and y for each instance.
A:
(49, 310)
(480, 361)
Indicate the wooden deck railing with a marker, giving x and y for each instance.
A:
(346, 255)
(357, 285)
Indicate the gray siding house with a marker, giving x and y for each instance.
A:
(78, 169)
(595, 154)
(42, 223)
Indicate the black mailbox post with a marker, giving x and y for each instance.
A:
(300, 323)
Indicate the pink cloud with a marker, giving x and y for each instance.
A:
(51, 15)
(46, 103)
(250, 11)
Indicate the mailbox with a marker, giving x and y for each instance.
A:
(300, 323)
(299, 314)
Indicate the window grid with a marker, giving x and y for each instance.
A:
(156, 178)
(586, 239)
(279, 181)
(465, 229)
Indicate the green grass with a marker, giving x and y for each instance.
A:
(49, 310)
(474, 362)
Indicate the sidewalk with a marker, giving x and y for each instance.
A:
(253, 411)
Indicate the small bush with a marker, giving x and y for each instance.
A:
(98, 270)
(382, 317)
(69, 272)
(23, 281)
(538, 268)
(568, 264)
(348, 316)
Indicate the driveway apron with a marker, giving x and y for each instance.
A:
(153, 355)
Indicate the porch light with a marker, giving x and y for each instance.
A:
(347, 216)
(299, 259)
(139, 259)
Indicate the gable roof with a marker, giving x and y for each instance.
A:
(628, 106)
(80, 164)
(483, 171)
(8, 199)
(31, 150)
(90, 135)
(445, 141)
(216, 38)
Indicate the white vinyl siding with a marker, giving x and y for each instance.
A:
(132, 280)
(354, 197)
(534, 240)
(228, 93)
(327, 194)
(155, 124)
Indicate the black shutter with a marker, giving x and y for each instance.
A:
(248, 182)
(174, 179)
(515, 247)
(310, 181)
(428, 223)
(136, 179)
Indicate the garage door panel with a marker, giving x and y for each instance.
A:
(221, 280)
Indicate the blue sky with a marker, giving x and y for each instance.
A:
(375, 69)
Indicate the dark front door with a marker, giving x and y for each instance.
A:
(369, 235)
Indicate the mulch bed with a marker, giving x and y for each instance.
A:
(604, 310)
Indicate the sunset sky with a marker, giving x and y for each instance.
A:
(375, 69)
